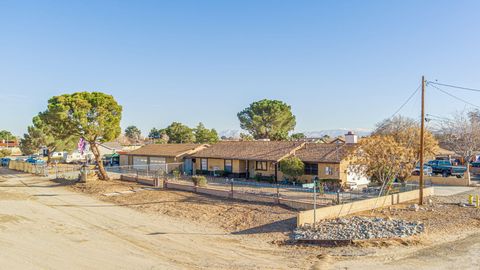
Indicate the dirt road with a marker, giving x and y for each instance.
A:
(45, 226)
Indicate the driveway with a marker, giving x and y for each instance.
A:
(450, 190)
(45, 226)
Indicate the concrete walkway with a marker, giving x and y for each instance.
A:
(450, 190)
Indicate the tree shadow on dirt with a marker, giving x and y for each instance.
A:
(110, 205)
(286, 225)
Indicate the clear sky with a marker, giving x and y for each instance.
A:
(339, 64)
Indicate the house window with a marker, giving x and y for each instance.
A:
(228, 166)
(204, 164)
(328, 171)
(311, 168)
(261, 165)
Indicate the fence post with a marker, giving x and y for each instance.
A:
(231, 188)
(56, 171)
(314, 202)
(278, 194)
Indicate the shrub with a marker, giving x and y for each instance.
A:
(201, 172)
(219, 173)
(265, 178)
(176, 173)
(292, 167)
(5, 152)
(199, 180)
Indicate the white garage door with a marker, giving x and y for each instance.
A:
(140, 162)
(157, 163)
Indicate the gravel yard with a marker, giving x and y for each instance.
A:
(440, 214)
(359, 228)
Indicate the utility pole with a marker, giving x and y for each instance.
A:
(422, 142)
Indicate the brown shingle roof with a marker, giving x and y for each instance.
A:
(167, 150)
(320, 152)
(244, 150)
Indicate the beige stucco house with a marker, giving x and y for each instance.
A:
(159, 155)
(244, 159)
(261, 160)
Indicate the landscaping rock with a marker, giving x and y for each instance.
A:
(414, 207)
(357, 228)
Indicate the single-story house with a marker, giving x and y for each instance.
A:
(244, 159)
(329, 161)
(261, 160)
(155, 156)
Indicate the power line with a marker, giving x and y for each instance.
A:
(455, 97)
(405, 103)
(454, 86)
(400, 108)
(437, 117)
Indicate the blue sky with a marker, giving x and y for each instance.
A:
(339, 64)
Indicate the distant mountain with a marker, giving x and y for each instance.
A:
(235, 133)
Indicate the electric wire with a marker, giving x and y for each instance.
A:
(454, 86)
(453, 96)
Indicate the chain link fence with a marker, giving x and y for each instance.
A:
(172, 172)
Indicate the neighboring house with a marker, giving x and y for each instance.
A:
(11, 145)
(108, 148)
(338, 140)
(8, 144)
(244, 159)
(156, 156)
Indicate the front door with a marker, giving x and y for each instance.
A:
(188, 166)
(251, 169)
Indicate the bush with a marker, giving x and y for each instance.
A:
(5, 152)
(199, 180)
(176, 173)
(265, 178)
(219, 173)
(201, 172)
(292, 167)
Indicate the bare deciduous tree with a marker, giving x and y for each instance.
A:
(461, 134)
(406, 132)
(382, 159)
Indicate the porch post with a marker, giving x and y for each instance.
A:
(276, 172)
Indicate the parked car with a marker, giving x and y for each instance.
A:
(352, 186)
(34, 160)
(4, 162)
(476, 164)
(445, 168)
(427, 170)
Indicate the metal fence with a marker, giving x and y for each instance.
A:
(296, 192)
(324, 195)
(66, 171)
(147, 171)
(172, 172)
